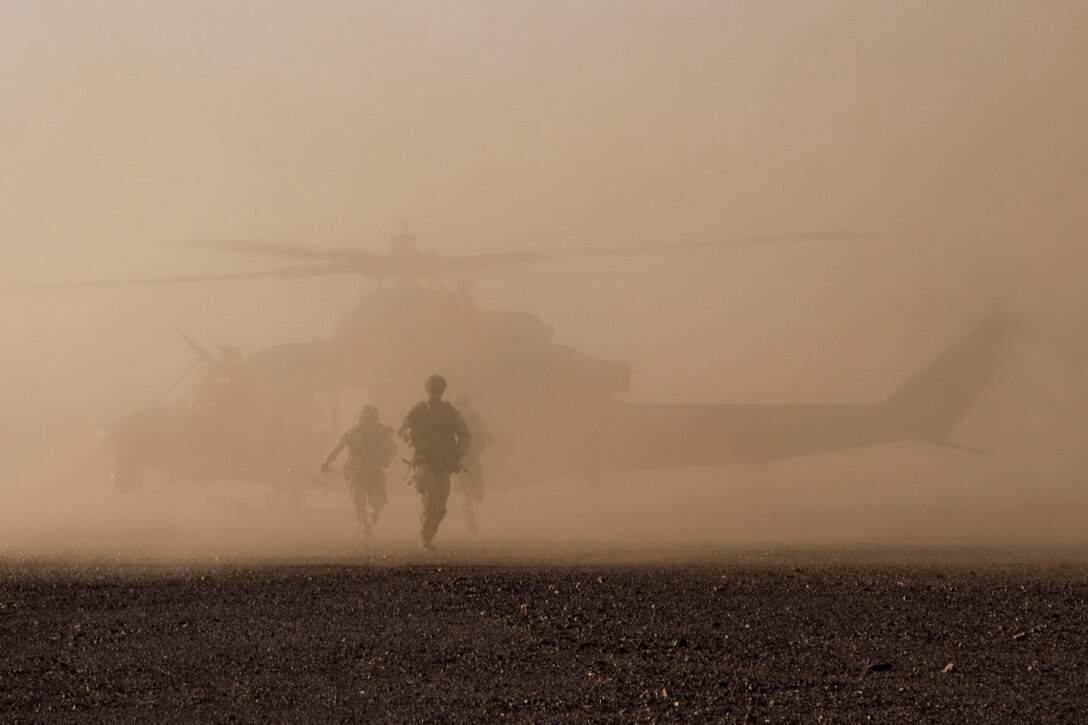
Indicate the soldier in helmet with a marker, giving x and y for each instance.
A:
(470, 482)
(370, 449)
(439, 438)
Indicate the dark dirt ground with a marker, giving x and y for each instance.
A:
(393, 635)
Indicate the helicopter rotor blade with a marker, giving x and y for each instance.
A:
(196, 347)
(134, 281)
(556, 279)
(472, 262)
(756, 241)
(273, 248)
(278, 273)
(383, 264)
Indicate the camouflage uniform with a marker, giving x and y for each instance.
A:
(370, 449)
(439, 436)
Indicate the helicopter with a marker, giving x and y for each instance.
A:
(270, 416)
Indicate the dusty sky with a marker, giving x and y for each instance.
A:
(951, 130)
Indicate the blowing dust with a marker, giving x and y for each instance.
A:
(947, 144)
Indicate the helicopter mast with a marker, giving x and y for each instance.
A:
(402, 247)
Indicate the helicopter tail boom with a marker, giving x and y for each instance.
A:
(927, 408)
(930, 405)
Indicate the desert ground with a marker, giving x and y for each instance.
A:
(483, 632)
(606, 604)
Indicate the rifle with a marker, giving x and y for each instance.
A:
(459, 469)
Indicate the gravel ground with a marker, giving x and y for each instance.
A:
(394, 636)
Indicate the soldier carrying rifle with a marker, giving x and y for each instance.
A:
(370, 449)
(439, 438)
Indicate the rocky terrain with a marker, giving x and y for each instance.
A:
(396, 636)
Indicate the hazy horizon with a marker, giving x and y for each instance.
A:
(952, 133)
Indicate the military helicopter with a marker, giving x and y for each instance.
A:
(553, 408)
(255, 419)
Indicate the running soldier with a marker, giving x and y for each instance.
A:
(470, 482)
(439, 438)
(370, 449)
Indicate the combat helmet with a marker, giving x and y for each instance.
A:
(435, 384)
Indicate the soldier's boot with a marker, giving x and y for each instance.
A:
(426, 544)
(374, 517)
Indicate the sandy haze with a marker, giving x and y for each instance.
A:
(953, 132)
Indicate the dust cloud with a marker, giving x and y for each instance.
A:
(951, 133)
